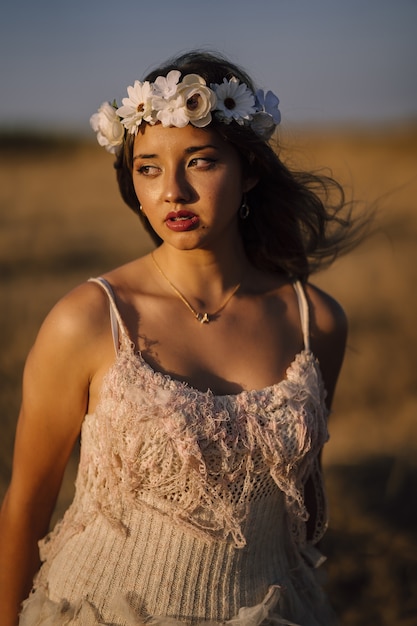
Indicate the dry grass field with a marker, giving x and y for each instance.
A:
(62, 220)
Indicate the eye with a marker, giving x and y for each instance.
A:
(148, 170)
(202, 163)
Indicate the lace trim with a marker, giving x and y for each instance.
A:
(198, 457)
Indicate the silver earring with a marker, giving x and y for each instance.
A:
(244, 209)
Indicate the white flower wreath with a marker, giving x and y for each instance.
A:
(172, 103)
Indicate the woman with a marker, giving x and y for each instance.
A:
(200, 377)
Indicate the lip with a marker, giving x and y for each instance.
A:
(180, 221)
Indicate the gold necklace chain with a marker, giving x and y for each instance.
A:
(203, 318)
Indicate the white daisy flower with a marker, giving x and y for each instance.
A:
(137, 107)
(235, 101)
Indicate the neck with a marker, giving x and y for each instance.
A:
(203, 276)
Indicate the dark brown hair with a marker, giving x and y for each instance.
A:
(298, 221)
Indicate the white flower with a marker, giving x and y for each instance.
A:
(173, 103)
(179, 104)
(172, 112)
(199, 99)
(166, 86)
(107, 125)
(137, 107)
(235, 101)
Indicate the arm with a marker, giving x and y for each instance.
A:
(328, 328)
(55, 397)
(328, 325)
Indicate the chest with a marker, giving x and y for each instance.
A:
(143, 407)
(245, 348)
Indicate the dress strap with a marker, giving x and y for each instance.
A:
(304, 313)
(116, 321)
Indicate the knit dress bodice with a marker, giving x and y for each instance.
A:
(189, 506)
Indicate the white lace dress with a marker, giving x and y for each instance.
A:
(189, 507)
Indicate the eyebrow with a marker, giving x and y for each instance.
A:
(193, 149)
(189, 150)
(145, 156)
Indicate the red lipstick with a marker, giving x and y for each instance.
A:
(180, 221)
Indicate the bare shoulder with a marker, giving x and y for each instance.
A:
(327, 315)
(66, 357)
(73, 332)
(329, 328)
(79, 315)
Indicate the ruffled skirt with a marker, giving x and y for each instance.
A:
(40, 611)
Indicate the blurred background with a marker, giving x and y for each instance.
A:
(345, 75)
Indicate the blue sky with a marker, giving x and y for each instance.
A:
(327, 60)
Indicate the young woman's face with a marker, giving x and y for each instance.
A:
(190, 184)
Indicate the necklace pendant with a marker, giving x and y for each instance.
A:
(203, 318)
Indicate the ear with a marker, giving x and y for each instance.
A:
(249, 183)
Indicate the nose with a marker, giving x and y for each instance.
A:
(177, 189)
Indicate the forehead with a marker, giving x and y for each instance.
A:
(157, 138)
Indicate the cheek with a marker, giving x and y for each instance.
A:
(143, 193)
(136, 186)
(230, 195)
